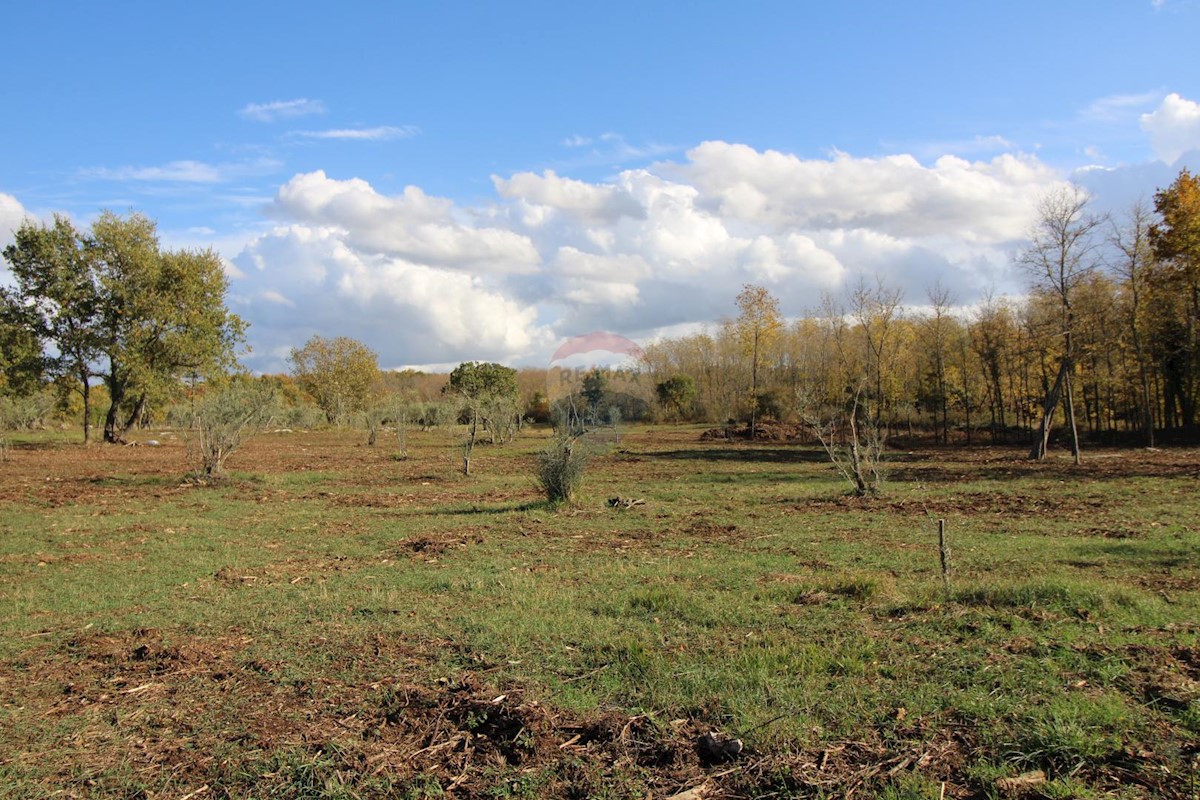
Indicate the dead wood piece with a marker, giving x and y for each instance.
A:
(1015, 787)
(625, 502)
(695, 793)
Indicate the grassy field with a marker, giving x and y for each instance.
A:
(334, 621)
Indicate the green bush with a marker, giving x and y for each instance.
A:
(560, 468)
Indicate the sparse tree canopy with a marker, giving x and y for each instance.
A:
(1061, 256)
(489, 392)
(229, 416)
(758, 327)
(337, 372)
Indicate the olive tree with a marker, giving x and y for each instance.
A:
(111, 304)
(490, 396)
(338, 373)
(228, 417)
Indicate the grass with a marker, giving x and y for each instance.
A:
(333, 622)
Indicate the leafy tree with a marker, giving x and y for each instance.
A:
(1176, 278)
(337, 372)
(162, 314)
(113, 305)
(21, 362)
(488, 392)
(58, 292)
(677, 394)
(758, 326)
(595, 385)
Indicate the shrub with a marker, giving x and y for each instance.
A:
(560, 468)
(227, 418)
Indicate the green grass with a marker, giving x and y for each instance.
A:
(280, 615)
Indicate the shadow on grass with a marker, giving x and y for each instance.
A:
(1142, 555)
(474, 508)
(748, 454)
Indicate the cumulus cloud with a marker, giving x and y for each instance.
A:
(413, 226)
(424, 280)
(12, 213)
(1174, 127)
(983, 201)
(310, 281)
(591, 202)
(282, 109)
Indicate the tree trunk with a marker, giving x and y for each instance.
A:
(116, 393)
(1041, 441)
(1071, 416)
(135, 416)
(87, 409)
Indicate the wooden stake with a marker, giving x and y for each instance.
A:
(944, 554)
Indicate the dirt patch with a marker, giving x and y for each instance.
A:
(763, 432)
(162, 706)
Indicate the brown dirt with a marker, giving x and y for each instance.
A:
(160, 706)
(167, 706)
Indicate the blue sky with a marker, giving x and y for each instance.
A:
(482, 180)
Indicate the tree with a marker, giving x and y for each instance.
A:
(337, 372)
(59, 300)
(488, 391)
(758, 327)
(21, 362)
(876, 310)
(677, 393)
(228, 417)
(1061, 255)
(937, 328)
(1176, 244)
(595, 385)
(113, 305)
(1135, 259)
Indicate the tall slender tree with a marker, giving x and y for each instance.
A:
(1061, 255)
(758, 326)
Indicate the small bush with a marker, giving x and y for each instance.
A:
(227, 418)
(560, 468)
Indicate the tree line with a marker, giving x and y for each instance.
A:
(1105, 344)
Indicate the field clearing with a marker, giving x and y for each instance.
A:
(334, 621)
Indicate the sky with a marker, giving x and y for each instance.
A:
(450, 181)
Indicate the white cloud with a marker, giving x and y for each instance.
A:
(196, 172)
(983, 201)
(282, 109)
(592, 202)
(1174, 127)
(413, 226)
(423, 280)
(272, 296)
(309, 280)
(378, 133)
(12, 214)
(1117, 107)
